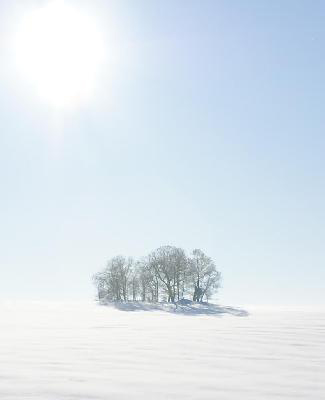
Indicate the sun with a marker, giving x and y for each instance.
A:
(59, 51)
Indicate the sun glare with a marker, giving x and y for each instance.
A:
(59, 50)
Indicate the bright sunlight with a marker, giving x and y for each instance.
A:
(59, 51)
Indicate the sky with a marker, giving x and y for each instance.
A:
(205, 129)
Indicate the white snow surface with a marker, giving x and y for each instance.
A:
(74, 351)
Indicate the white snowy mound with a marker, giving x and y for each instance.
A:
(183, 306)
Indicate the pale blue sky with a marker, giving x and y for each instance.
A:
(209, 133)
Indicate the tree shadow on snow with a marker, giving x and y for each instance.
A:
(182, 307)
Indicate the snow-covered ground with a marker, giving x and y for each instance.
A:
(57, 351)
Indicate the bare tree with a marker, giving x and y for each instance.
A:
(203, 275)
(148, 282)
(100, 280)
(134, 287)
(113, 282)
(167, 264)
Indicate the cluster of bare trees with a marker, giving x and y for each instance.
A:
(166, 274)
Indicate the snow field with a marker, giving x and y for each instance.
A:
(61, 351)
